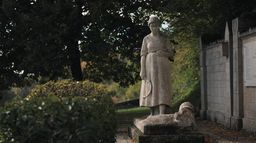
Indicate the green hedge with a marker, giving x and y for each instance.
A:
(62, 117)
(69, 88)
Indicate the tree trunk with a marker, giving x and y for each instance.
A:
(73, 48)
(74, 59)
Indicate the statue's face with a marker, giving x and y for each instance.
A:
(154, 27)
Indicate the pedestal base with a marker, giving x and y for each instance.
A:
(174, 137)
(143, 132)
(167, 128)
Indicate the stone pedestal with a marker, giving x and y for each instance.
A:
(164, 133)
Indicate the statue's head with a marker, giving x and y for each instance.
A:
(185, 117)
(153, 19)
(186, 105)
(154, 23)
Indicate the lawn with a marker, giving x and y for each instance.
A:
(125, 117)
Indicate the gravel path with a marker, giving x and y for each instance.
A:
(122, 135)
(214, 133)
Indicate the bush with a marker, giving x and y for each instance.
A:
(185, 71)
(5, 96)
(13, 92)
(133, 91)
(124, 94)
(69, 88)
(61, 118)
(192, 95)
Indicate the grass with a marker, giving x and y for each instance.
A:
(137, 110)
(125, 117)
(193, 96)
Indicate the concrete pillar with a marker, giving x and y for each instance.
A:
(203, 80)
(237, 113)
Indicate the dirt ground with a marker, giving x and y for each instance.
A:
(214, 133)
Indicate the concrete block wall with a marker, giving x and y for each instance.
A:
(225, 96)
(249, 93)
(249, 120)
(218, 85)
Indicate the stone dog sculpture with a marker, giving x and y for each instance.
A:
(185, 116)
(182, 119)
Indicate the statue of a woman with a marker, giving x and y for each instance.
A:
(155, 69)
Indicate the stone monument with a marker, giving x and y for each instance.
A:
(156, 53)
(183, 118)
(179, 127)
(155, 93)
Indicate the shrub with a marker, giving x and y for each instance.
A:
(124, 94)
(192, 95)
(185, 73)
(69, 88)
(133, 91)
(13, 92)
(63, 118)
(5, 96)
(185, 68)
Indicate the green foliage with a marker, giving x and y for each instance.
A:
(192, 95)
(13, 92)
(133, 91)
(137, 110)
(127, 116)
(40, 39)
(197, 17)
(69, 88)
(35, 32)
(6, 95)
(112, 43)
(1, 137)
(116, 88)
(125, 93)
(49, 118)
(185, 71)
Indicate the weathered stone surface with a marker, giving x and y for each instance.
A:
(162, 125)
(179, 138)
(181, 119)
(158, 129)
(156, 52)
(185, 136)
(228, 79)
(216, 89)
(167, 128)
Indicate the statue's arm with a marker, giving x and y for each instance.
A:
(143, 55)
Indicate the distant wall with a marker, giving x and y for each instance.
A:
(218, 84)
(228, 76)
(248, 41)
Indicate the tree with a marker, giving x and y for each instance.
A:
(112, 41)
(44, 36)
(7, 50)
(48, 36)
(205, 16)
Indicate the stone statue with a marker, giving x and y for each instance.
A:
(155, 71)
(184, 118)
